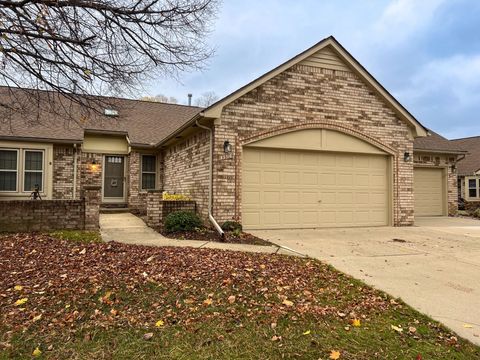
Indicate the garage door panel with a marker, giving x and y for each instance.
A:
(429, 192)
(308, 189)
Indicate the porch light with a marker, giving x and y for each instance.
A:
(227, 147)
(93, 166)
(407, 157)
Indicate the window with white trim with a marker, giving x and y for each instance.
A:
(33, 170)
(472, 188)
(8, 170)
(149, 172)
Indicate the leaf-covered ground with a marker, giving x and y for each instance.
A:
(62, 299)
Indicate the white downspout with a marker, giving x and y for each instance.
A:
(74, 172)
(210, 182)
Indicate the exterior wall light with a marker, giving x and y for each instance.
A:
(94, 166)
(407, 157)
(227, 147)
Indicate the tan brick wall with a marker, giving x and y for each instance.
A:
(446, 162)
(185, 169)
(63, 161)
(310, 97)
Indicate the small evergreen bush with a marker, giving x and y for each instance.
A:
(182, 221)
(232, 226)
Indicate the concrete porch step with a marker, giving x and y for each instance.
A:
(114, 208)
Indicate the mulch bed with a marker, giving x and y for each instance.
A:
(212, 235)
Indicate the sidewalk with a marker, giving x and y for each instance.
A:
(130, 229)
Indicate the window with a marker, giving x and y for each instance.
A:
(33, 170)
(8, 170)
(472, 188)
(148, 172)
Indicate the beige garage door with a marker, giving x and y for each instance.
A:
(306, 189)
(429, 192)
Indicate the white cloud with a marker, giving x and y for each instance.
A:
(458, 76)
(404, 19)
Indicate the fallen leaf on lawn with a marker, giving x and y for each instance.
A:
(412, 329)
(147, 336)
(262, 266)
(396, 328)
(159, 323)
(83, 252)
(249, 269)
(18, 287)
(334, 355)
(231, 299)
(36, 318)
(307, 332)
(273, 325)
(356, 323)
(341, 314)
(287, 302)
(37, 352)
(114, 312)
(208, 301)
(276, 338)
(467, 326)
(67, 306)
(21, 301)
(347, 328)
(419, 357)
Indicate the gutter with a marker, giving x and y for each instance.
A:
(74, 171)
(210, 182)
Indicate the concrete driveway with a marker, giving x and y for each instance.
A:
(433, 266)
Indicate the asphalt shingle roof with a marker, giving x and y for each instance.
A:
(437, 143)
(471, 163)
(145, 122)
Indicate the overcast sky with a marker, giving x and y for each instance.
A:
(425, 52)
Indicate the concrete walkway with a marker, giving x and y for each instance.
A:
(433, 266)
(130, 229)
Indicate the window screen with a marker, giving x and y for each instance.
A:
(33, 172)
(8, 170)
(148, 172)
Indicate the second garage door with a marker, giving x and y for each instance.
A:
(429, 192)
(308, 189)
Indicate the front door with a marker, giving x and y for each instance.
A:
(114, 179)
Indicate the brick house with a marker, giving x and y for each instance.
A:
(315, 142)
(469, 169)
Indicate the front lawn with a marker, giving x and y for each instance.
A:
(76, 300)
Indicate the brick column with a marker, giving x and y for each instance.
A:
(92, 200)
(154, 209)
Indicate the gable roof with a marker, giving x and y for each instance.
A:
(471, 164)
(437, 143)
(215, 110)
(145, 122)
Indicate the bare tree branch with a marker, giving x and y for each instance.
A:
(98, 47)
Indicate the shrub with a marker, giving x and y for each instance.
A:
(232, 226)
(182, 221)
(476, 213)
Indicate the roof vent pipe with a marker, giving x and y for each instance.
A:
(189, 99)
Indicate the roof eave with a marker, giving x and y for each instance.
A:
(437, 151)
(40, 139)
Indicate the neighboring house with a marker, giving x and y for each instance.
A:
(315, 142)
(469, 169)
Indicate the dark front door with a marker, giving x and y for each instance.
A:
(113, 178)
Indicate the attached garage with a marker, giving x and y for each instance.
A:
(304, 180)
(429, 191)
